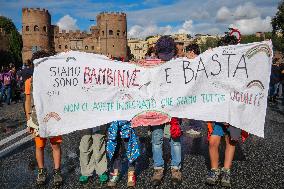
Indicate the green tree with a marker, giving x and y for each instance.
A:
(278, 28)
(250, 39)
(15, 41)
(148, 37)
(210, 43)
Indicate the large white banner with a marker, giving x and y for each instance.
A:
(77, 90)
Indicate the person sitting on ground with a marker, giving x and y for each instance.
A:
(40, 142)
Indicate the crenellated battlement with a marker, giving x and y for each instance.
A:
(112, 14)
(72, 33)
(35, 10)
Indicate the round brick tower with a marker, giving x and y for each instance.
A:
(113, 34)
(36, 27)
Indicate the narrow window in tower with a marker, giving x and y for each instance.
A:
(27, 28)
(110, 32)
(44, 29)
(59, 46)
(36, 28)
(66, 47)
(103, 32)
(118, 32)
(124, 33)
(86, 47)
(93, 47)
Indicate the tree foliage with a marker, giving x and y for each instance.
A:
(15, 43)
(209, 43)
(278, 28)
(148, 37)
(250, 39)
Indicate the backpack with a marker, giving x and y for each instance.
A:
(7, 79)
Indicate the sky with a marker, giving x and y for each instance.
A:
(151, 17)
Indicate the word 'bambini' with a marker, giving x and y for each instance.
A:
(108, 76)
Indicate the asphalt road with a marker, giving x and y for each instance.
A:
(258, 163)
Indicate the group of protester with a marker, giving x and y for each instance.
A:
(108, 141)
(11, 84)
(7, 82)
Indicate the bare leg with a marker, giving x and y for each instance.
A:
(56, 152)
(214, 143)
(229, 152)
(40, 157)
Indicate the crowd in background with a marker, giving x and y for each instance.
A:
(11, 84)
(276, 86)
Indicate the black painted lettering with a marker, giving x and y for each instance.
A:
(215, 60)
(199, 70)
(57, 82)
(134, 76)
(184, 71)
(243, 59)
(52, 69)
(167, 75)
(229, 56)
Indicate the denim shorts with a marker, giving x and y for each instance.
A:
(220, 129)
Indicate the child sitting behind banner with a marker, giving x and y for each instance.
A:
(93, 154)
(119, 133)
(40, 142)
(231, 134)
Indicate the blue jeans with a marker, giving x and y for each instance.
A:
(157, 148)
(9, 93)
(117, 157)
(273, 89)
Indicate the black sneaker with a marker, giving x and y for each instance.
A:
(213, 177)
(226, 177)
(41, 176)
(57, 178)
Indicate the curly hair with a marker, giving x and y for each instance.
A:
(193, 47)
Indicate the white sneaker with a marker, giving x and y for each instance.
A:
(193, 133)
